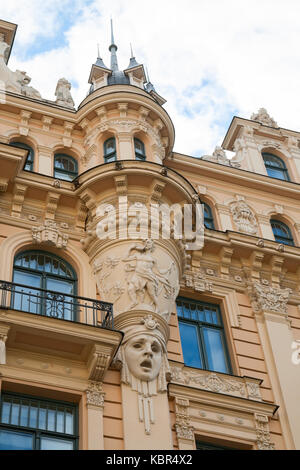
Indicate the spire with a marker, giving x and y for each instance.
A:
(113, 51)
(133, 62)
(99, 61)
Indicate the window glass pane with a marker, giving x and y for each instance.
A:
(69, 421)
(52, 443)
(60, 175)
(24, 414)
(109, 146)
(111, 158)
(42, 418)
(201, 313)
(51, 419)
(60, 307)
(5, 412)
(190, 345)
(15, 410)
(60, 421)
(26, 299)
(10, 440)
(33, 416)
(215, 350)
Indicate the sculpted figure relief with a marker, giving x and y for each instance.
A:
(264, 118)
(146, 277)
(17, 81)
(63, 93)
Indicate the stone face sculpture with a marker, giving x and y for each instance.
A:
(63, 94)
(144, 364)
(244, 217)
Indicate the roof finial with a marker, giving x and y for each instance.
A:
(131, 50)
(113, 50)
(98, 50)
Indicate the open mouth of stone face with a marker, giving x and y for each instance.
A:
(147, 364)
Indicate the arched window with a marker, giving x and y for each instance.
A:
(110, 150)
(208, 217)
(275, 167)
(30, 157)
(42, 270)
(139, 149)
(65, 167)
(282, 232)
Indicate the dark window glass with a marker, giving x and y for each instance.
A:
(282, 233)
(208, 217)
(39, 270)
(275, 167)
(110, 151)
(65, 167)
(28, 423)
(202, 336)
(139, 149)
(207, 446)
(30, 157)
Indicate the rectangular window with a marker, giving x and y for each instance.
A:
(29, 423)
(202, 336)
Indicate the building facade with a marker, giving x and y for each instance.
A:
(135, 341)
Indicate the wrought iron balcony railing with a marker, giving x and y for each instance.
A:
(55, 305)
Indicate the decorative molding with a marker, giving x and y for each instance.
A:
(3, 185)
(18, 199)
(264, 118)
(197, 280)
(210, 381)
(270, 299)
(183, 427)
(95, 395)
(98, 364)
(50, 234)
(90, 153)
(263, 432)
(244, 217)
(47, 121)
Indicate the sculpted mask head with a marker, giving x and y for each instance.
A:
(143, 354)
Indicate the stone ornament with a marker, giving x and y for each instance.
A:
(144, 364)
(211, 382)
(17, 81)
(50, 234)
(95, 395)
(63, 93)
(3, 339)
(198, 281)
(183, 427)
(263, 117)
(243, 217)
(135, 281)
(267, 298)
(263, 433)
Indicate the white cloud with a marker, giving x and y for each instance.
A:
(208, 58)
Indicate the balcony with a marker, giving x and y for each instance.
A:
(57, 326)
(55, 305)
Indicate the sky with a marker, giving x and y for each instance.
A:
(210, 59)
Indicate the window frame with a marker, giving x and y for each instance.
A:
(281, 168)
(44, 275)
(37, 433)
(74, 173)
(139, 155)
(110, 157)
(30, 157)
(210, 218)
(201, 341)
(282, 239)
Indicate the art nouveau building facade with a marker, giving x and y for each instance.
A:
(121, 343)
